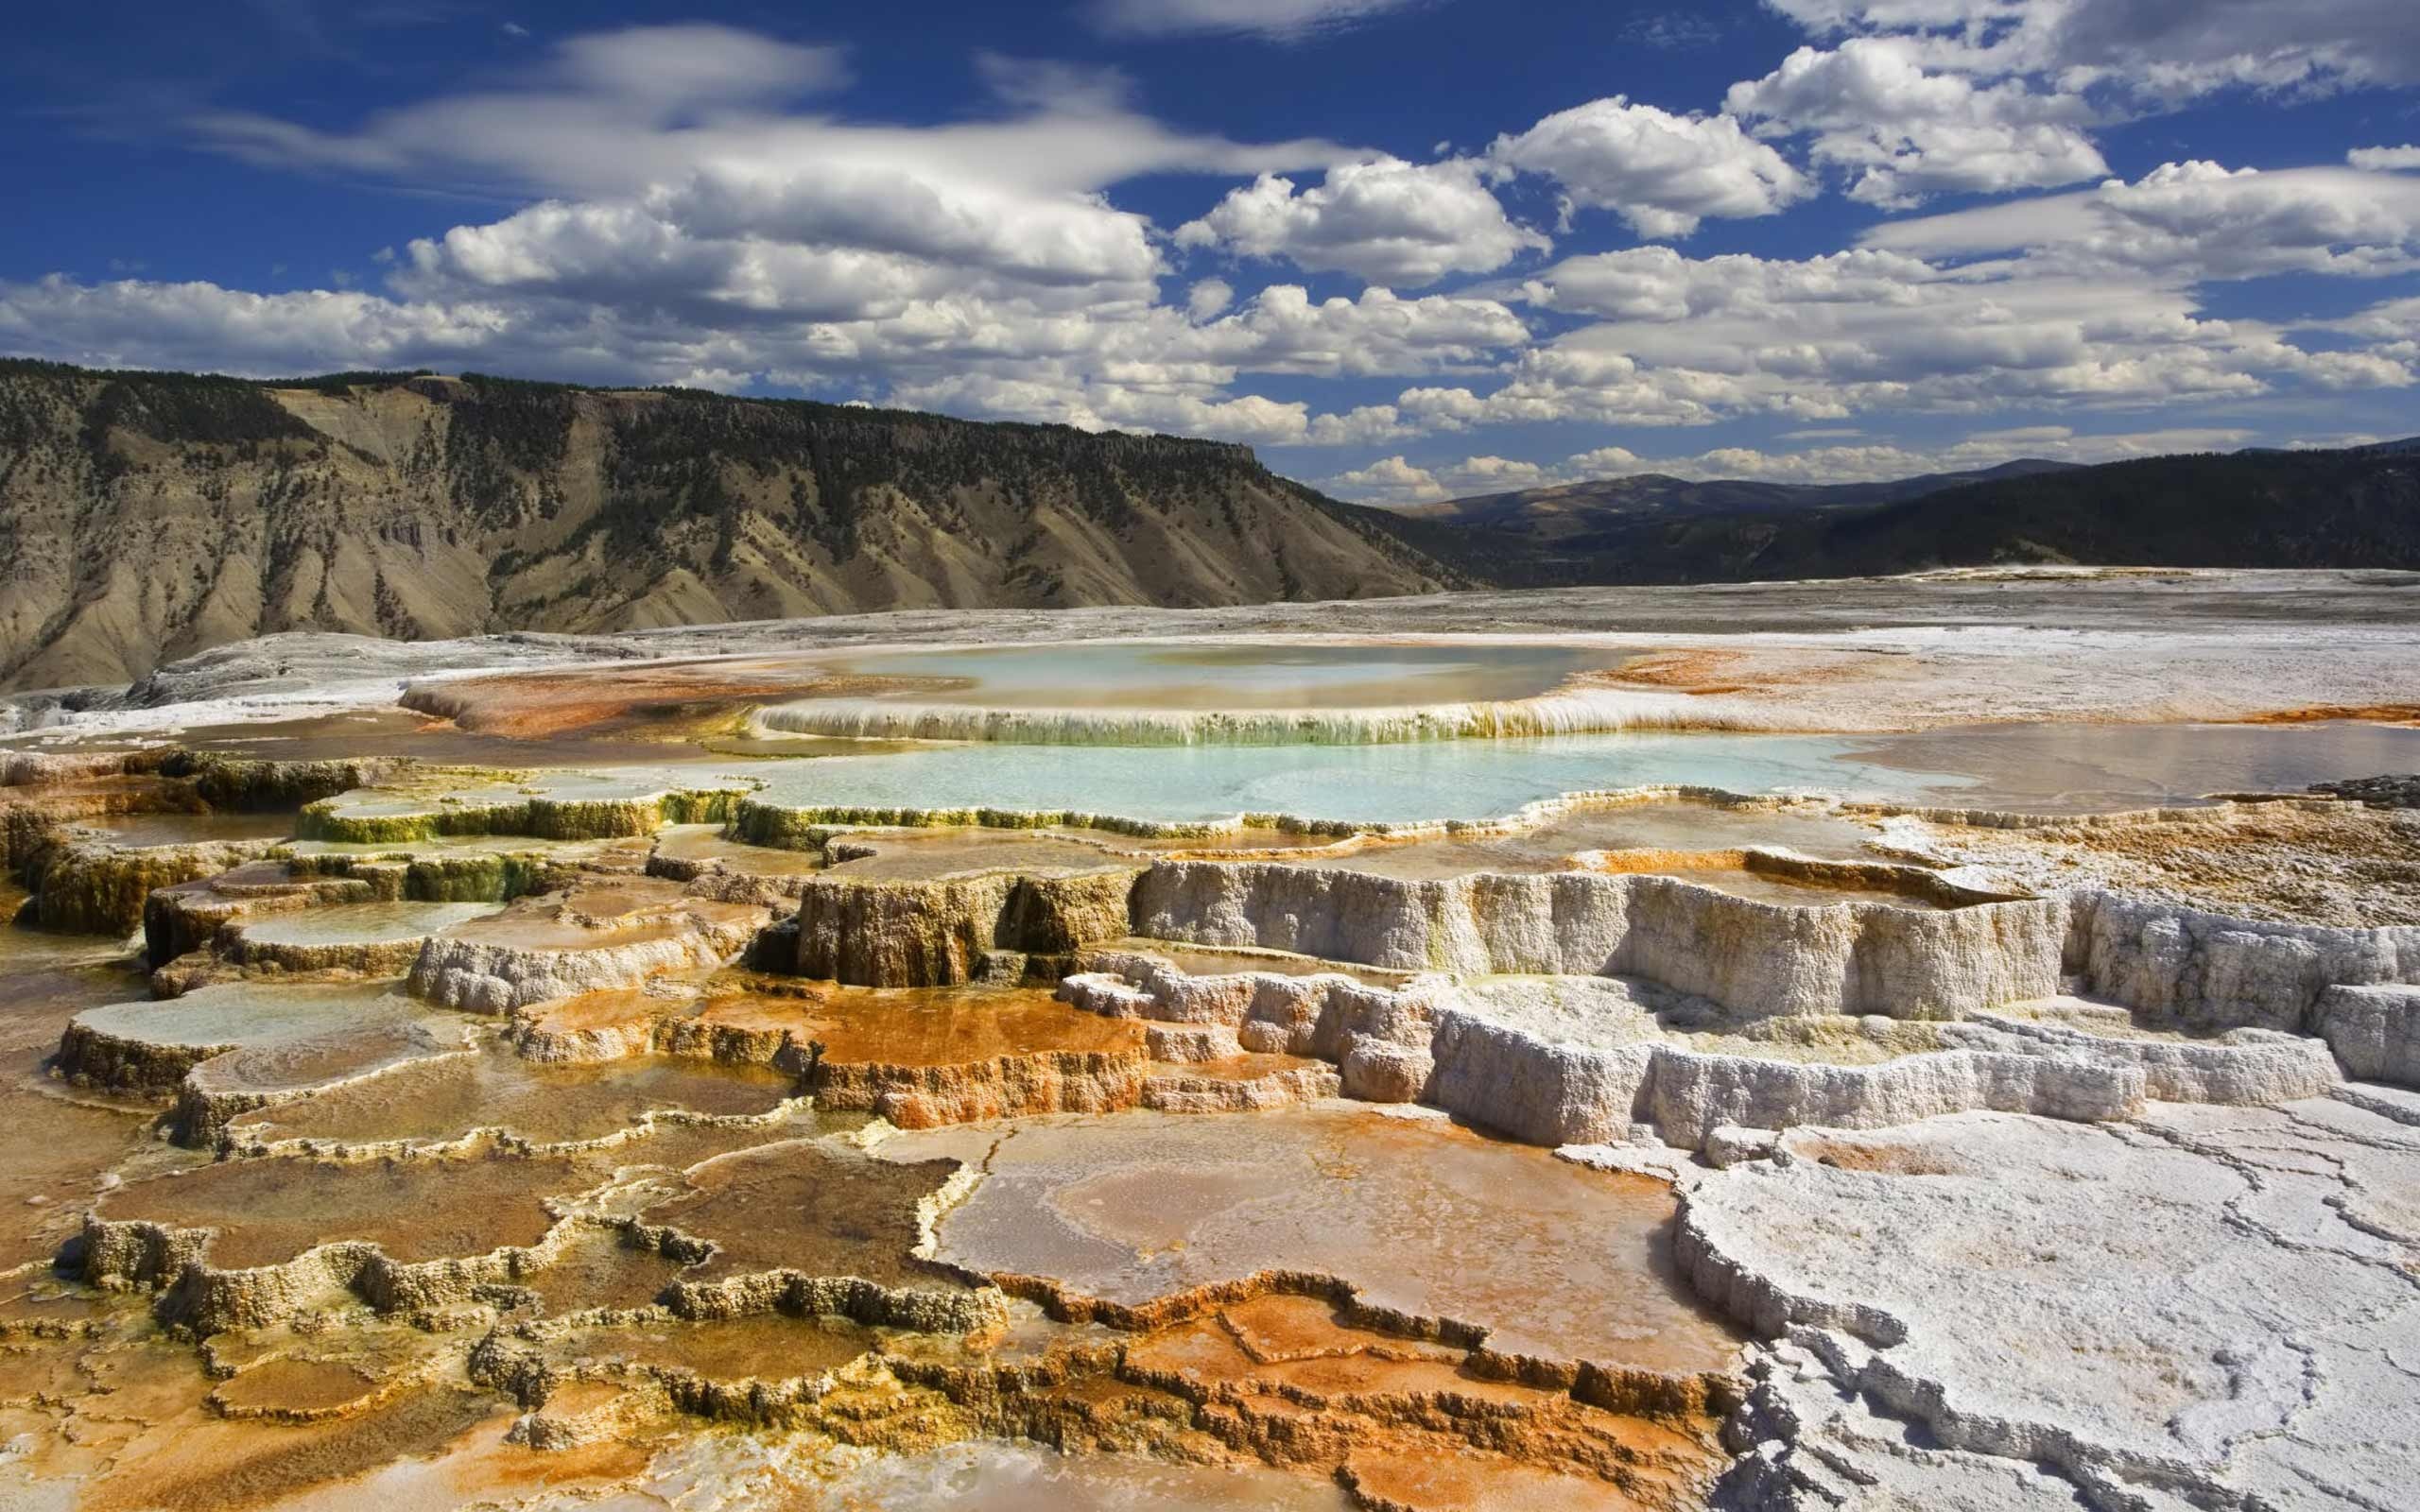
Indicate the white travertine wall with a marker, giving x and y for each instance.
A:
(2208, 970)
(1751, 957)
(2374, 1031)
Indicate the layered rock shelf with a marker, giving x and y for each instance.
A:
(1851, 958)
(618, 935)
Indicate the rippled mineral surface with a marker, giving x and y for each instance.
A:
(1612, 1065)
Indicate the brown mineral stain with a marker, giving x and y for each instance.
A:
(1470, 1482)
(662, 701)
(809, 1207)
(596, 1269)
(767, 1346)
(210, 1467)
(629, 911)
(2378, 712)
(924, 855)
(1694, 669)
(1141, 1211)
(541, 1102)
(293, 1388)
(927, 1026)
(266, 1211)
(54, 1150)
(1883, 1157)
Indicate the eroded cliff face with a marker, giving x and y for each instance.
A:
(146, 517)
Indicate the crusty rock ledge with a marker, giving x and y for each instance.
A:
(2207, 969)
(543, 948)
(1602, 1068)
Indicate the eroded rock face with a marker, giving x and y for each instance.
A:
(934, 933)
(2374, 1031)
(95, 887)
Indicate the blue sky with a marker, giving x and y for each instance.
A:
(1407, 248)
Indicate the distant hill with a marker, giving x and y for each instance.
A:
(2358, 508)
(1575, 509)
(145, 516)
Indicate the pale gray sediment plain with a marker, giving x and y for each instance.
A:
(529, 1123)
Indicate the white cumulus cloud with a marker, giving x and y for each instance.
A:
(1384, 220)
(1279, 20)
(2195, 220)
(1904, 132)
(1661, 172)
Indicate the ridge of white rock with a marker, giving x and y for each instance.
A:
(2374, 1030)
(1587, 1061)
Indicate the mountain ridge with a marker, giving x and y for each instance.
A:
(145, 516)
(2356, 507)
(1561, 507)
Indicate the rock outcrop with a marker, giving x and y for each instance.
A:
(97, 887)
(2374, 1031)
(934, 933)
(2206, 970)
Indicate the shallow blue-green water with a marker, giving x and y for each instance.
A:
(2040, 768)
(1446, 779)
(2037, 767)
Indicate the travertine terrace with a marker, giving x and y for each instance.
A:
(1568, 1050)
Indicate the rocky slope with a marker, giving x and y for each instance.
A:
(144, 517)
